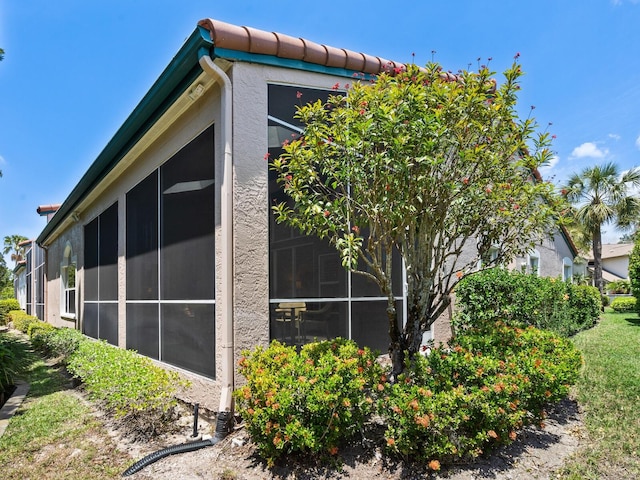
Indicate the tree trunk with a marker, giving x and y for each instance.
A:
(397, 346)
(597, 259)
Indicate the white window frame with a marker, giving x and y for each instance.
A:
(533, 257)
(68, 259)
(567, 262)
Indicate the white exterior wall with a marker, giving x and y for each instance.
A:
(617, 265)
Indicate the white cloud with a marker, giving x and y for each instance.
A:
(589, 150)
(638, 141)
(615, 136)
(2, 160)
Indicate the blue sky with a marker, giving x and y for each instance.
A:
(75, 69)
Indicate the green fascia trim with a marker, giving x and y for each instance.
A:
(173, 81)
(236, 55)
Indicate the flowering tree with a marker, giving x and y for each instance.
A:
(437, 166)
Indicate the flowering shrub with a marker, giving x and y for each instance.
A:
(308, 402)
(624, 304)
(522, 300)
(456, 402)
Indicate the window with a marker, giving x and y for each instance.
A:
(311, 295)
(567, 269)
(534, 263)
(68, 281)
(170, 255)
(38, 277)
(29, 280)
(100, 318)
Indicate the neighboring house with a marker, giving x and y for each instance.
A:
(553, 257)
(615, 261)
(29, 281)
(167, 245)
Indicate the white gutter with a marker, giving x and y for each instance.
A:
(226, 206)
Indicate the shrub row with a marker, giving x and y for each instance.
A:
(22, 321)
(130, 387)
(526, 300)
(450, 404)
(5, 307)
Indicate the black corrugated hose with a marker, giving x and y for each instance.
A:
(222, 430)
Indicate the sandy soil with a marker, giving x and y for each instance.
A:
(536, 454)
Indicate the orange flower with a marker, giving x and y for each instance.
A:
(380, 387)
(434, 465)
(492, 434)
(333, 450)
(391, 442)
(512, 435)
(423, 420)
(414, 404)
(459, 274)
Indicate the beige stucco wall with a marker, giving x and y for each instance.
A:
(251, 213)
(54, 255)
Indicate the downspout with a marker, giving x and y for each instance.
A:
(226, 205)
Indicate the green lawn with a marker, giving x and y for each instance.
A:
(54, 434)
(609, 393)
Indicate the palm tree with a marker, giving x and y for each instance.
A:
(12, 244)
(602, 195)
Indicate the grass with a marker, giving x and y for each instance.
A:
(54, 434)
(609, 392)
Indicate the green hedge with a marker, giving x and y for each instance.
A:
(21, 320)
(5, 307)
(526, 300)
(59, 342)
(624, 304)
(129, 386)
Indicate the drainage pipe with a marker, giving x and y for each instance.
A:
(222, 430)
(226, 204)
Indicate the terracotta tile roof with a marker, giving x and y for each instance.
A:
(251, 40)
(47, 209)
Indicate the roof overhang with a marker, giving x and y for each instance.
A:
(173, 81)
